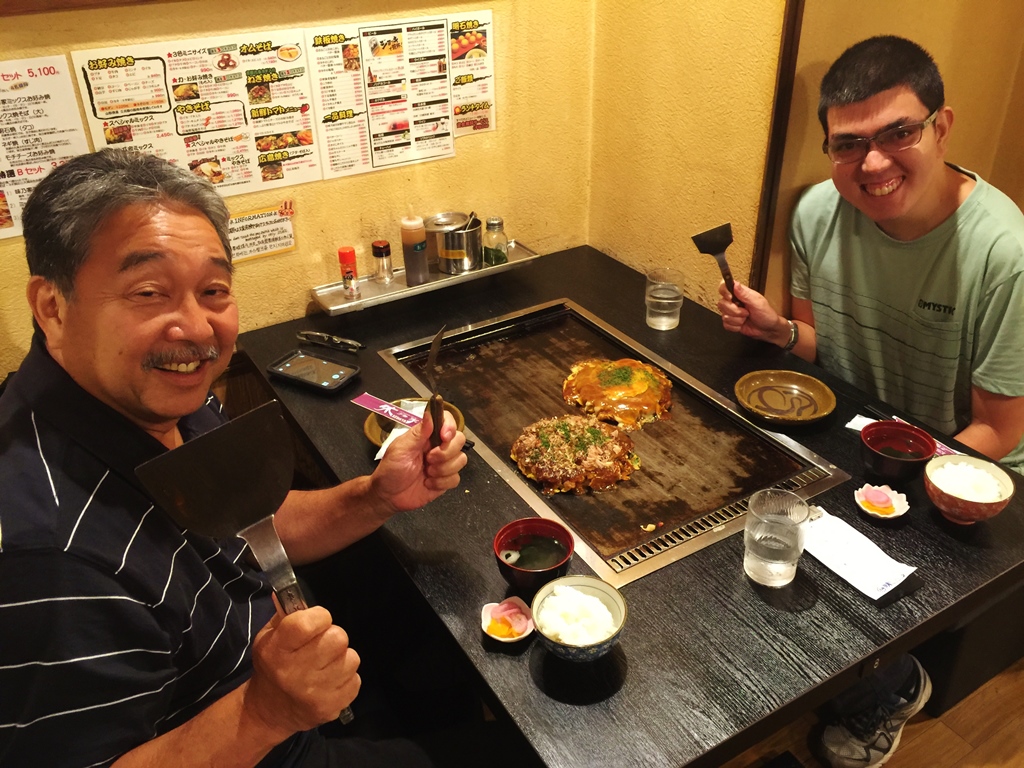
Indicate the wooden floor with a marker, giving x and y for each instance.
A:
(985, 730)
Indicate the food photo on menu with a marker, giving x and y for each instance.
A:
(259, 93)
(350, 54)
(469, 45)
(6, 220)
(271, 171)
(289, 52)
(117, 134)
(208, 168)
(186, 92)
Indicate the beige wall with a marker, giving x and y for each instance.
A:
(977, 47)
(683, 95)
(627, 124)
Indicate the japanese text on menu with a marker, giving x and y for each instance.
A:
(472, 51)
(39, 130)
(237, 110)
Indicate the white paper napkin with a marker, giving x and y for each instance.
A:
(413, 406)
(852, 555)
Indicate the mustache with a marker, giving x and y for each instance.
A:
(185, 353)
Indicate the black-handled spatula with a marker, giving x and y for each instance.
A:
(714, 242)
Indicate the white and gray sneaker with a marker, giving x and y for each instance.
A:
(870, 738)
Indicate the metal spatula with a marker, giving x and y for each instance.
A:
(230, 482)
(714, 242)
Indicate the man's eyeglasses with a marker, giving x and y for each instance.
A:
(854, 149)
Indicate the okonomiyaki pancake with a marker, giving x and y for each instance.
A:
(574, 454)
(628, 392)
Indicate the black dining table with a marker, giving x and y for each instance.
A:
(708, 663)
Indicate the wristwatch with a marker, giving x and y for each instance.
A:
(794, 335)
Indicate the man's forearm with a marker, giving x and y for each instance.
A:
(805, 346)
(224, 735)
(985, 440)
(315, 524)
(997, 423)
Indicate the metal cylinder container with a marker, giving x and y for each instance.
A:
(456, 247)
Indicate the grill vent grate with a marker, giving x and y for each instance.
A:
(709, 522)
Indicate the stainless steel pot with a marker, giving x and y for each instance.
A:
(456, 247)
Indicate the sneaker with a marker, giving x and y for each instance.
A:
(870, 738)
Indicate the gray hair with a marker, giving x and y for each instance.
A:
(68, 206)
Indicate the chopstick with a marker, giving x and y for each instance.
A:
(876, 412)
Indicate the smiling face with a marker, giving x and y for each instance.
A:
(152, 321)
(905, 192)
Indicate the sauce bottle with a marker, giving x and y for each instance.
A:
(414, 250)
(383, 273)
(347, 262)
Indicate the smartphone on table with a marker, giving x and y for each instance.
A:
(312, 371)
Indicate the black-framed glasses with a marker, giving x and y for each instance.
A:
(853, 149)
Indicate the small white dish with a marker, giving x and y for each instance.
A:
(485, 620)
(868, 496)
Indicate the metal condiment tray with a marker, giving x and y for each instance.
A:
(331, 297)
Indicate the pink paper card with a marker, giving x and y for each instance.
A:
(940, 448)
(386, 409)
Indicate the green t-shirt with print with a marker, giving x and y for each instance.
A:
(917, 323)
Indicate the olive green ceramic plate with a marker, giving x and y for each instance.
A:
(785, 397)
(377, 428)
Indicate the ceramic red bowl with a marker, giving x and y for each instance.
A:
(895, 451)
(533, 533)
(957, 503)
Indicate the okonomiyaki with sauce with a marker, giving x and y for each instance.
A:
(628, 392)
(574, 454)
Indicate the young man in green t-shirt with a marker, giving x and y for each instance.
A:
(908, 282)
(908, 272)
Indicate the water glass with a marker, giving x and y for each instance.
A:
(773, 539)
(664, 298)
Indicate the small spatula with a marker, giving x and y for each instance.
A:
(230, 482)
(714, 242)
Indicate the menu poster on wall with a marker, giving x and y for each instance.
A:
(408, 93)
(236, 110)
(39, 130)
(472, 44)
(342, 131)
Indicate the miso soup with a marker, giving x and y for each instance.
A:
(534, 553)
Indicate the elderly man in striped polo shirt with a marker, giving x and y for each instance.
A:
(123, 639)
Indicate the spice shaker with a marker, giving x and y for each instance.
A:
(414, 250)
(495, 242)
(347, 262)
(383, 272)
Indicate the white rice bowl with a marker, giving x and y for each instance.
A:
(575, 618)
(967, 489)
(579, 618)
(966, 481)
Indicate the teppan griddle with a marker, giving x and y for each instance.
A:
(698, 466)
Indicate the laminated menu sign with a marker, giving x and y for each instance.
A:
(235, 109)
(342, 131)
(260, 233)
(39, 130)
(408, 95)
(383, 95)
(472, 51)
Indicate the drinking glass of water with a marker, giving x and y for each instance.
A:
(664, 297)
(773, 539)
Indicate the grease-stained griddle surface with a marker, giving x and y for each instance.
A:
(694, 460)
